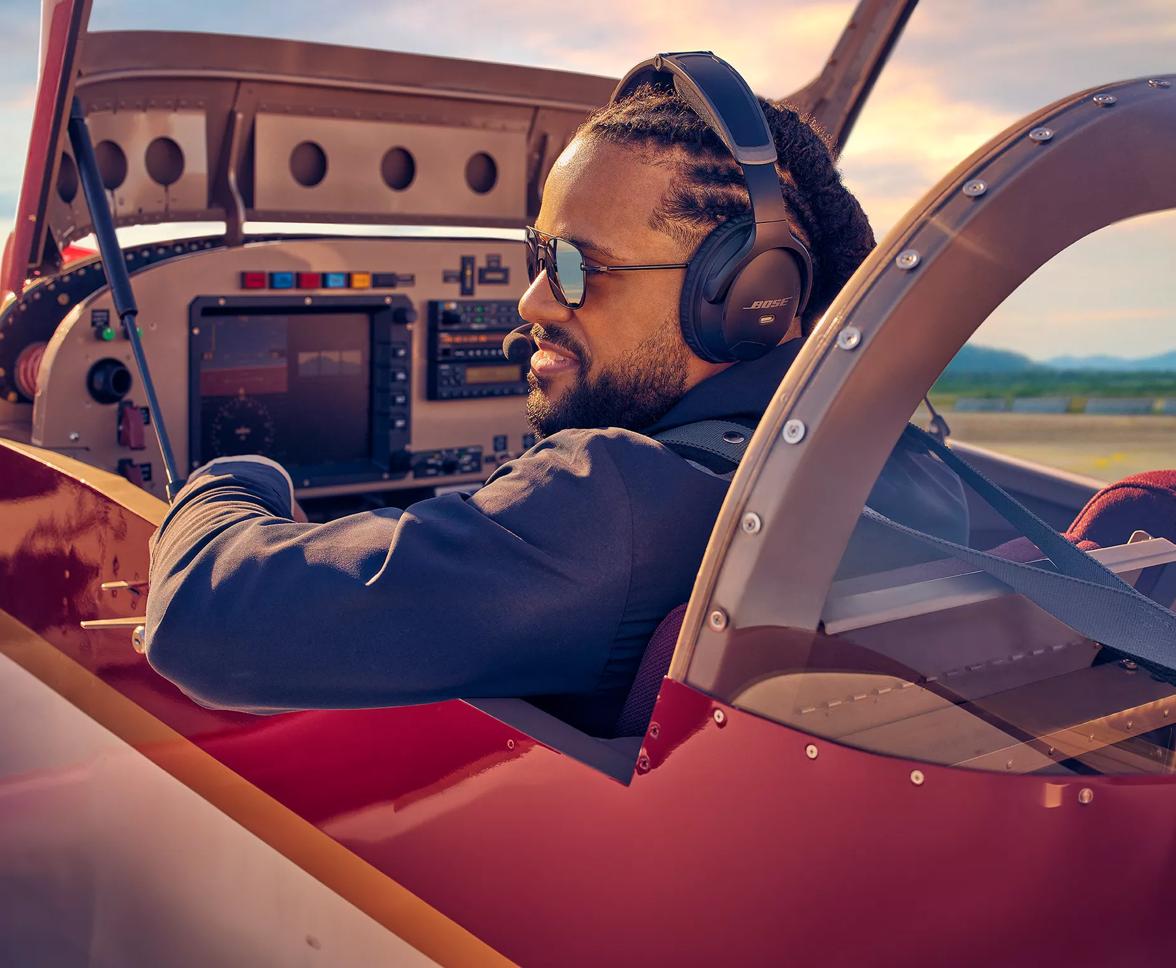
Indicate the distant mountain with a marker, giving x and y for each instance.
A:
(1164, 362)
(988, 359)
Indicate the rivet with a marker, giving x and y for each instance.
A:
(751, 523)
(510, 744)
(907, 259)
(1085, 795)
(1129, 665)
(221, 301)
(849, 338)
(811, 751)
(1104, 100)
(1130, 724)
(654, 730)
(1159, 82)
(1041, 134)
(917, 777)
(74, 436)
(793, 431)
(139, 639)
(717, 620)
(720, 717)
(643, 763)
(975, 188)
(733, 437)
(306, 300)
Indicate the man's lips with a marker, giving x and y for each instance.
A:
(551, 359)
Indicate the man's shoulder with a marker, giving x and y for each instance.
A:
(627, 450)
(599, 460)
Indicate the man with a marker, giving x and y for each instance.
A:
(547, 582)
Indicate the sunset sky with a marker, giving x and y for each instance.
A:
(960, 74)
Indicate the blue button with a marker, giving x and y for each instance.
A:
(281, 280)
(334, 280)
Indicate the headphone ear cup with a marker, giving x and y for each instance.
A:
(702, 320)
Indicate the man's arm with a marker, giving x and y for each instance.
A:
(516, 590)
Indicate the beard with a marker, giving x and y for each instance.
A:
(632, 394)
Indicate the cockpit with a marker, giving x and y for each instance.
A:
(371, 366)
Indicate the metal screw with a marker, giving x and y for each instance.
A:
(1129, 665)
(74, 436)
(794, 431)
(975, 188)
(733, 437)
(751, 523)
(720, 717)
(811, 751)
(849, 338)
(510, 744)
(643, 763)
(654, 730)
(907, 259)
(139, 639)
(1041, 134)
(717, 620)
(917, 777)
(1104, 100)
(1085, 795)
(1158, 82)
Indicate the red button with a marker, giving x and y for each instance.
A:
(310, 280)
(252, 280)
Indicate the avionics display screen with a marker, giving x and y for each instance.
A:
(292, 386)
(492, 374)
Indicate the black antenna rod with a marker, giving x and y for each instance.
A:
(117, 277)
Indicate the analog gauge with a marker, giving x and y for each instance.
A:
(242, 426)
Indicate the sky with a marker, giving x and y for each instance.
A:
(961, 73)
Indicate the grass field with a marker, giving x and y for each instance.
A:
(1106, 447)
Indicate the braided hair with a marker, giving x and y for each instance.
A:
(711, 188)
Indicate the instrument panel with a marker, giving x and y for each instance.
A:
(360, 364)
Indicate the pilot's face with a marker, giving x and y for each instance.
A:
(619, 360)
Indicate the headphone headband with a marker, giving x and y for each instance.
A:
(719, 95)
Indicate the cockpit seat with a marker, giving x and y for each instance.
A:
(1141, 502)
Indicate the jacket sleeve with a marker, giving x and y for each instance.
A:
(515, 590)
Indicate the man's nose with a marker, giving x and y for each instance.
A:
(538, 304)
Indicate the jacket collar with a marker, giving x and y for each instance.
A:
(743, 390)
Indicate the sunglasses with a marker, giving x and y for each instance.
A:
(566, 267)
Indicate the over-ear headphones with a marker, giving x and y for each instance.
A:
(749, 279)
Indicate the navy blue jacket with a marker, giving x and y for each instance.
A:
(546, 583)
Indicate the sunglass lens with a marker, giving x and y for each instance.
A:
(532, 255)
(569, 270)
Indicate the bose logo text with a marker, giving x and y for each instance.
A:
(769, 303)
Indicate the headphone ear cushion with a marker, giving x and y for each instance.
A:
(702, 321)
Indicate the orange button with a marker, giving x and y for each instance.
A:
(361, 280)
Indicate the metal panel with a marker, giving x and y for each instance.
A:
(352, 182)
(134, 132)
